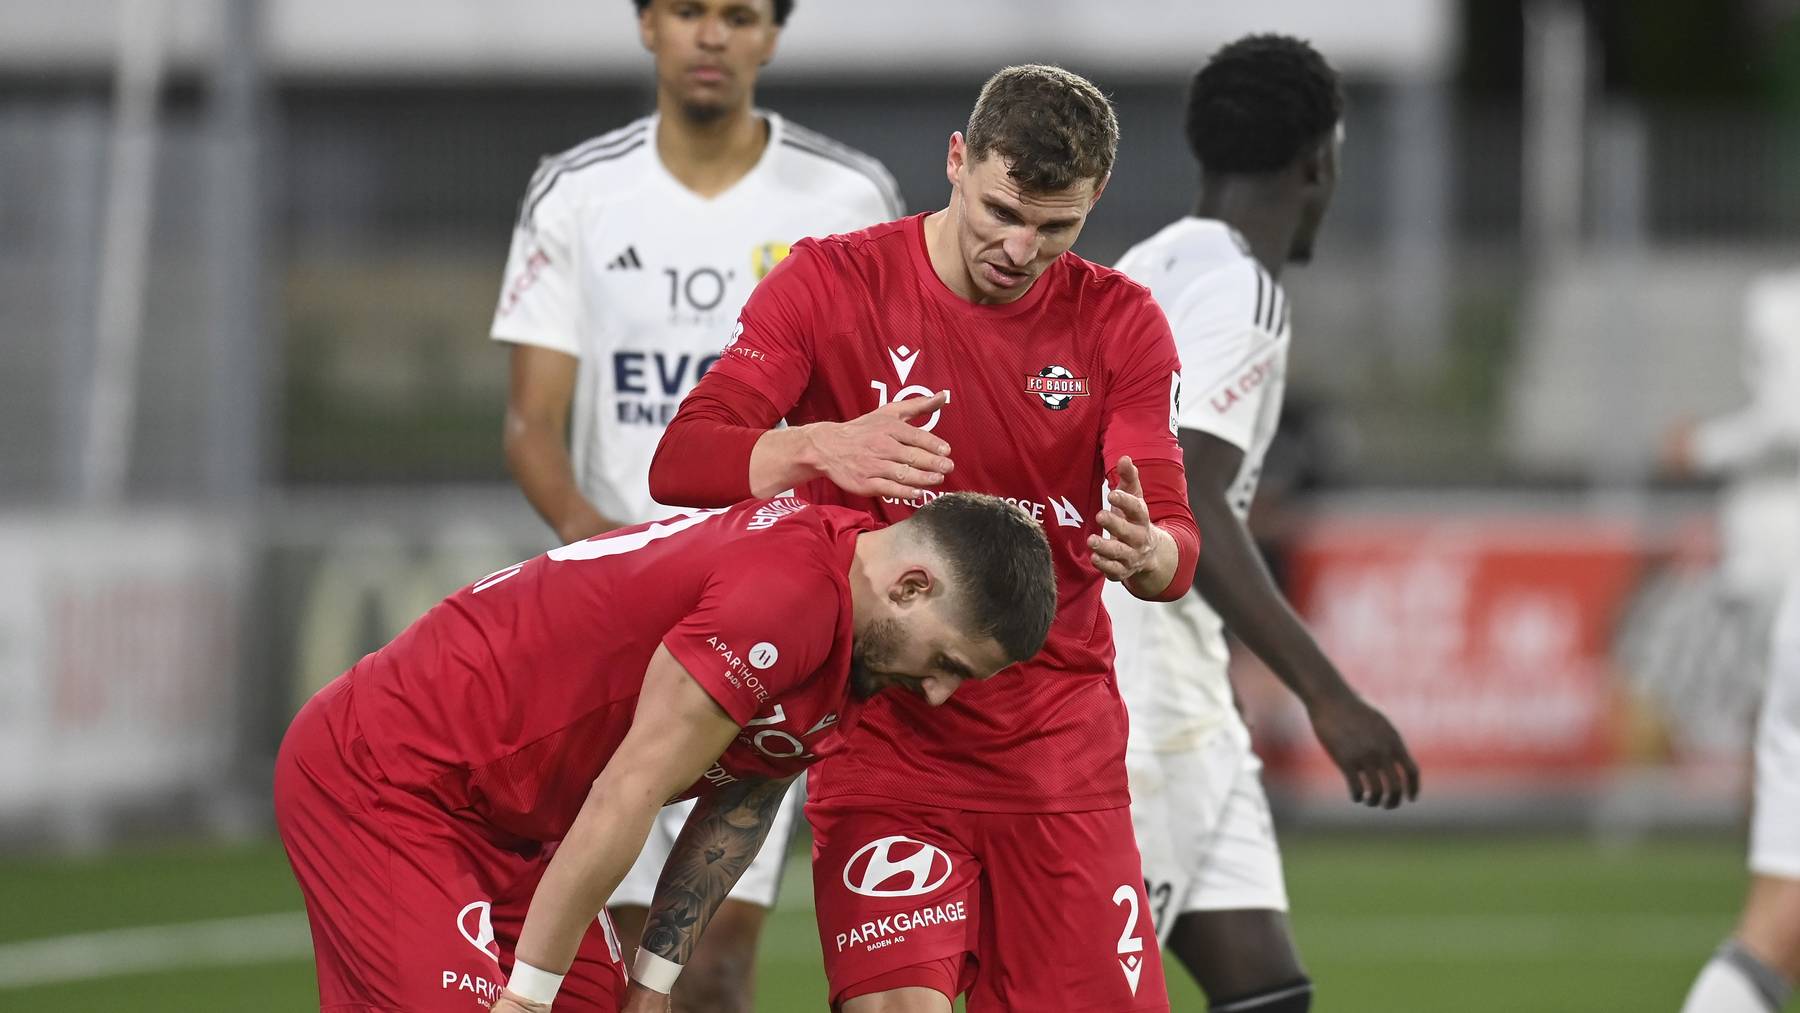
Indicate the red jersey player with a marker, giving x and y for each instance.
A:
(989, 851)
(458, 806)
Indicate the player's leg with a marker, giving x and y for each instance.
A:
(720, 977)
(899, 904)
(1231, 929)
(1243, 960)
(595, 981)
(1758, 968)
(399, 895)
(1754, 971)
(899, 999)
(1066, 921)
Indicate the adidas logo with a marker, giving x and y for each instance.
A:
(627, 261)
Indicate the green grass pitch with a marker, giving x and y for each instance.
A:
(1396, 924)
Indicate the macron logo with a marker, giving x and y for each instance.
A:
(903, 359)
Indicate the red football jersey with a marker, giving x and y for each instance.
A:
(1046, 394)
(509, 696)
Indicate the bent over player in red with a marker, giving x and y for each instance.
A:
(989, 851)
(458, 806)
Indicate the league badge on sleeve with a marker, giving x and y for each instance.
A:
(764, 258)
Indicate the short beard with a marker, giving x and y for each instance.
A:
(703, 113)
(874, 648)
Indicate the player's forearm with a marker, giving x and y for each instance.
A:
(1177, 539)
(704, 458)
(539, 462)
(1151, 582)
(783, 459)
(1736, 441)
(1233, 579)
(718, 842)
(588, 865)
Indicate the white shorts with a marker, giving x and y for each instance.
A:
(759, 883)
(1775, 828)
(1204, 829)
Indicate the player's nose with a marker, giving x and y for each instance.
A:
(1021, 248)
(713, 33)
(938, 689)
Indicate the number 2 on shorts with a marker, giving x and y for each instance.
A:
(1130, 964)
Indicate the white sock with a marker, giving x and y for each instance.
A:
(1735, 982)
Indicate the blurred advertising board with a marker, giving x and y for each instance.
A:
(1521, 656)
(119, 664)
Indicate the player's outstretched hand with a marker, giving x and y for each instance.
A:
(1132, 548)
(1368, 749)
(883, 453)
(510, 1003)
(642, 1000)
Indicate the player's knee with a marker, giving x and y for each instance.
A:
(715, 989)
(1295, 996)
(721, 982)
(909, 999)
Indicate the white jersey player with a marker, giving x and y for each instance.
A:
(618, 264)
(631, 257)
(1264, 121)
(1758, 968)
(1202, 818)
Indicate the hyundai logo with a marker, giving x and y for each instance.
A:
(896, 866)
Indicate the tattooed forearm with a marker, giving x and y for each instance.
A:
(717, 844)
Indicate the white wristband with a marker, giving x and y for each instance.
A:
(654, 973)
(533, 983)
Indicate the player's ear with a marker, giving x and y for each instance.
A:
(956, 158)
(913, 585)
(773, 42)
(647, 27)
(1099, 188)
(1315, 162)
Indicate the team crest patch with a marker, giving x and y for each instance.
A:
(1056, 386)
(764, 258)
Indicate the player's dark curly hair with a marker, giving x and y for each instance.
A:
(782, 9)
(1053, 127)
(1259, 103)
(1000, 564)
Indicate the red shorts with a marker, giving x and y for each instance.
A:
(412, 908)
(1041, 911)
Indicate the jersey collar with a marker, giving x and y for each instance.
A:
(751, 180)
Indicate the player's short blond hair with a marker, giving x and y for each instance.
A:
(1053, 128)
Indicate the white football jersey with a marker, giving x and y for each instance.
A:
(1230, 321)
(617, 263)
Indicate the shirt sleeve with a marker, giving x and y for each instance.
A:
(1769, 425)
(1143, 406)
(540, 299)
(1143, 389)
(1226, 353)
(703, 458)
(761, 628)
(771, 348)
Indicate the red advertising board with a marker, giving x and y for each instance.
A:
(1488, 641)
